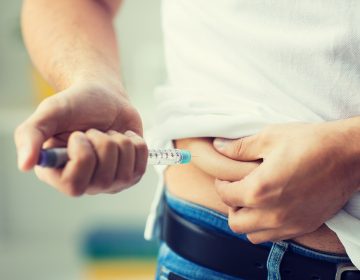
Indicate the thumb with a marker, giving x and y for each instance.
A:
(32, 133)
(243, 149)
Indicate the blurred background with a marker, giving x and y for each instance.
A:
(44, 234)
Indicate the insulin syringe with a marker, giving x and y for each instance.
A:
(57, 157)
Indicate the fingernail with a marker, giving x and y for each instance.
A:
(130, 133)
(112, 132)
(79, 136)
(220, 143)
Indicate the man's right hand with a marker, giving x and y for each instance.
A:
(102, 132)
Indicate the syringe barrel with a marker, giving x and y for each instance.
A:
(168, 156)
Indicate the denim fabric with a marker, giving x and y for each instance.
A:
(276, 254)
(170, 262)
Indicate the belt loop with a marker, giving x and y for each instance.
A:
(276, 254)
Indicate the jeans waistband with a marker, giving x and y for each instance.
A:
(212, 219)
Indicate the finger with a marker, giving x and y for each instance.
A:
(126, 161)
(107, 158)
(258, 189)
(244, 149)
(270, 235)
(29, 138)
(74, 178)
(126, 158)
(247, 220)
(50, 176)
(78, 171)
(230, 192)
(213, 163)
(47, 120)
(141, 153)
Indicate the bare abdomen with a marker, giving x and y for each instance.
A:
(195, 182)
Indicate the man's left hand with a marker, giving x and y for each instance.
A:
(307, 173)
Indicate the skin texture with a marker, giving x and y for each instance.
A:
(195, 182)
(73, 45)
(306, 176)
(91, 113)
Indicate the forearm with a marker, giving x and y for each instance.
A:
(72, 41)
(348, 131)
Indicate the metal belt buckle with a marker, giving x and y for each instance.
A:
(343, 267)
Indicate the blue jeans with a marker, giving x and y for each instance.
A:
(171, 263)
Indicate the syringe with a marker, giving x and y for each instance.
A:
(57, 157)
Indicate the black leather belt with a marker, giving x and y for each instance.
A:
(239, 258)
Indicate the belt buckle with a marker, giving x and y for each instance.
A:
(343, 267)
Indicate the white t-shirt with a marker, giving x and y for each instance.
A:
(235, 66)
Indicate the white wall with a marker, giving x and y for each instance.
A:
(14, 66)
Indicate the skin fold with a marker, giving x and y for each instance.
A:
(303, 183)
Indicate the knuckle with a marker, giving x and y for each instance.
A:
(72, 189)
(72, 186)
(106, 182)
(137, 177)
(253, 200)
(127, 177)
(74, 135)
(103, 182)
(140, 171)
(260, 195)
(107, 146)
(257, 196)
(114, 191)
(125, 143)
(91, 131)
(53, 103)
(142, 148)
(124, 177)
(250, 201)
(137, 180)
(120, 186)
(93, 191)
